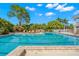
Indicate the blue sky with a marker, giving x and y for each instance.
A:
(42, 12)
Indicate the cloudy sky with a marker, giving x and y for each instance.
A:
(43, 12)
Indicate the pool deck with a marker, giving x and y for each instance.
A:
(45, 51)
(68, 33)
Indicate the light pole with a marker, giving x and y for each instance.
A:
(64, 27)
(75, 27)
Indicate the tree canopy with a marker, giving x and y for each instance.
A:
(63, 21)
(21, 14)
(5, 26)
(55, 24)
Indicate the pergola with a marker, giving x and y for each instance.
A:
(76, 23)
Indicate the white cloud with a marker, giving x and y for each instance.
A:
(49, 14)
(30, 8)
(51, 5)
(64, 4)
(62, 8)
(40, 14)
(59, 7)
(76, 12)
(67, 8)
(39, 5)
(27, 7)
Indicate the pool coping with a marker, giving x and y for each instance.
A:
(68, 33)
(22, 50)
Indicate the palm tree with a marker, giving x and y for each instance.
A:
(63, 21)
(59, 19)
(20, 13)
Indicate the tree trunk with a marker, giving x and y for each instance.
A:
(19, 22)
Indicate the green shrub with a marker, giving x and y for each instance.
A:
(4, 30)
(18, 29)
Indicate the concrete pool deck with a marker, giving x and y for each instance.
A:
(45, 51)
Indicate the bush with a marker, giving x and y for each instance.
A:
(18, 29)
(4, 30)
(4, 24)
(26, 27)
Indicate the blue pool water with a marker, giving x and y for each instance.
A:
(10, 42)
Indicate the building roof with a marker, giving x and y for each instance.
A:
(76, 17)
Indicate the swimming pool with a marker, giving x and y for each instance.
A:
(10, 42)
